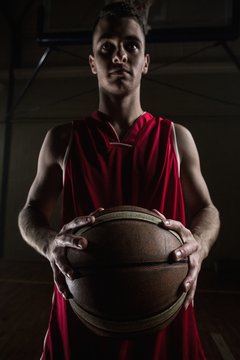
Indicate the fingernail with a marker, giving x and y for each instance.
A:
(68, 275)
(187, 286)
(79, 244)
(167, 222)
(82, 243)
(178, 254)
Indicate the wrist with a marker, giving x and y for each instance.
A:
(203, 247)
(49, 244)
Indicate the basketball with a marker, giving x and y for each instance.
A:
(126, 284)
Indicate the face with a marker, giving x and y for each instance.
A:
(119, 59)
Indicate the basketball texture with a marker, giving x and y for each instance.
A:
(126, 284)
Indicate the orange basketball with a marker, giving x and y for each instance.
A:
(126, 285)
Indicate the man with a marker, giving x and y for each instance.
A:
(119, 155)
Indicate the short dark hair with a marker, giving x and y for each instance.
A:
(119, 9)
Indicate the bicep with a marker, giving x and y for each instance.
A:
(195, 190)
(47, 184)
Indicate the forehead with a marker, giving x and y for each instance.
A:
(118, 27)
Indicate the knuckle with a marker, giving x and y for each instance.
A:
(55, 248)
(185, 233)
(83, 220)
(180, 226)
(58, 252)
(183, 252)
(188, 233)
(64, 228)
(68, 239)
(64, 240)
(59, 239)
(76, 221)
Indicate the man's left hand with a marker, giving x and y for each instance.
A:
(190, 249)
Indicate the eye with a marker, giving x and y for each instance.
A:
(107, 47)
(132, 46)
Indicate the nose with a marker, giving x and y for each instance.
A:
(120, 56)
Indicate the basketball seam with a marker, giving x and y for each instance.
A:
(132, 325)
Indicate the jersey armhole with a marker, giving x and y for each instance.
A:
(174, 139)
(65, 159)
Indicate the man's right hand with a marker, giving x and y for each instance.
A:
(57, 252)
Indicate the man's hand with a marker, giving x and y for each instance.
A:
(57, 252)
(192, 250)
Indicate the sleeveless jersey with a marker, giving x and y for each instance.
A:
(142, 169)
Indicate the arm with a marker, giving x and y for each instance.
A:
(34, 218)
(203, 216)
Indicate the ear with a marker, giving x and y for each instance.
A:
(146, 64)
(92, 64)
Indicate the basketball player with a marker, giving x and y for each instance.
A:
(119, 155)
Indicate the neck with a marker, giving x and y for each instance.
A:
(122, 112)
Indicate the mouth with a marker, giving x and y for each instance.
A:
(119, 72)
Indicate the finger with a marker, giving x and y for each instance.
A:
(184, 251)
(190, 297)
(60, 282)
(159, 214)
(96, 212)
(77, 222)
(62, 264)
(73, 241)
(63, 267)
(191, 278)
(176, 226)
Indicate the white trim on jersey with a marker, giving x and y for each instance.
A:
(176, 147)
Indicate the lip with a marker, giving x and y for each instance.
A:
(119, 71)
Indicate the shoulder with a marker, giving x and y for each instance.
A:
(56, 142)
(59, 133)
(182, 131)
(186, 144)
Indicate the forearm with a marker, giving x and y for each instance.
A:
(36, 230)
(205, 227)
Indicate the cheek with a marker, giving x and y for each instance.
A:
(141, 69)
(101, 64)
(140, 64)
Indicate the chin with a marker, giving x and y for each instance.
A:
(120, 89)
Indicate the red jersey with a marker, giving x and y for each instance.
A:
(142, 169)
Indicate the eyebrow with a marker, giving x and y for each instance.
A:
(109, 35)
